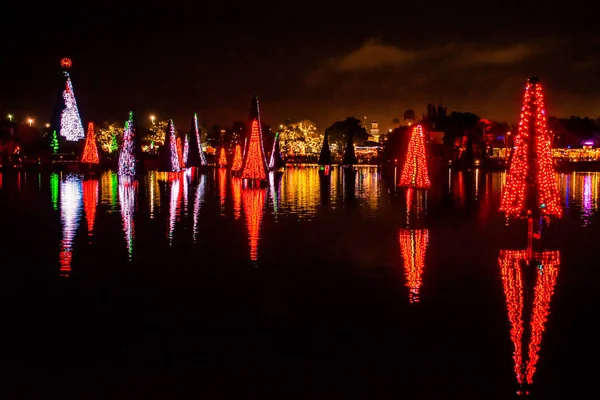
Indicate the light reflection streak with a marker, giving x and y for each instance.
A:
(71, 206)
(54, 189)
(545, 267)
(90, 202)
(413, 246)
(153, 192)
(109, 183)
(222, 188)
(236, 191)
(175, 201)
(198, 201)
(254, 202)
(127, 197)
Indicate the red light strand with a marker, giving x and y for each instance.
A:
(254, 167)
(415, 173)
(90, 151)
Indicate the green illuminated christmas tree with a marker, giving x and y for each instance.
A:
(54, 142)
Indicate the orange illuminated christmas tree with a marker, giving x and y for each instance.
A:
(528, 298)
(90, 151)
(531, 188)
(255, 166)
(222, 158)
(414, 172)
(237, 159)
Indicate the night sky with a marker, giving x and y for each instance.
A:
(322, 60)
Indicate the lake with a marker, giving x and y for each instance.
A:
(322, 285)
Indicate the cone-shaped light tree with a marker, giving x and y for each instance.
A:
(71, 127)
(90, 151)
(222, 158)
(531, 188)
(169, 160)
(255, 165)
(325, 156)
(196, 157)
(54, 142)
(236, 165)
(127, 162)
(415, 173)
(276, 161)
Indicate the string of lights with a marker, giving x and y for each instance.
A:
(415, 173)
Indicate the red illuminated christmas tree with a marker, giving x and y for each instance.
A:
(237, 159)
(90, 151)
(255, 165)
(531, 188)
(222, 158)
(414, 172)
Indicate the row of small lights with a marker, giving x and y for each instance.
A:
(30, 121)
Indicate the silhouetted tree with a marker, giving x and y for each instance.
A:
(340, 131)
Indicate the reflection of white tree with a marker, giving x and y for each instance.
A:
(300, 137)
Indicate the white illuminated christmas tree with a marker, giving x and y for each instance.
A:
(70, 121)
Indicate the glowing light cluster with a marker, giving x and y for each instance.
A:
(415, 173)
(127, 155)
(514, 281)
(66, 62)
(186, 149)
(70, 121)
(222, 158)
(70, 213)
(90, 202)
(54, 142)
(127, 195)
(222, 189)
(254, 167)
(196, 156)
(180, 153)
(90, 151)
(254, 201)
(413, 245)
(236, 166)
(236, 191)
(531, 182)
(275, 161)
(169, 153)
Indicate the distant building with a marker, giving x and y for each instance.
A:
(375, 131)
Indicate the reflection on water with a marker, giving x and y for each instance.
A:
(300, 192)
(528, 279)
(174, 203)
(198, 201)
(90, 202)
(275, 190)
(236, 191)
(153, 192)
(254, 203)
(222, 188)
(127, 198)
(54, 188)
(186, 180)
(413, 245)
(579, 191)
(71, 206)
(109, 182)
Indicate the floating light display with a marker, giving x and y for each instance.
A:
(254, 201)
(415, 173)
(70, 214)
(413, 245)
(66, 63)
(196, 156)
(90, 203)
(54, 142)
(255, 166)
(236, 166)
(531, 187)
(275, 161)
(127, 195)
(515, 282)
(90, 151)
(70, 121)
(222, 158)
(126, 155)
(169, 154)
(186, 149)
(198, 201)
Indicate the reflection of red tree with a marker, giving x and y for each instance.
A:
(236, 189)
(90, 201)
(513, 280)
(254, 200)
(413, 245)
(222, 187)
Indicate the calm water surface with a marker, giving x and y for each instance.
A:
(338, 285)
